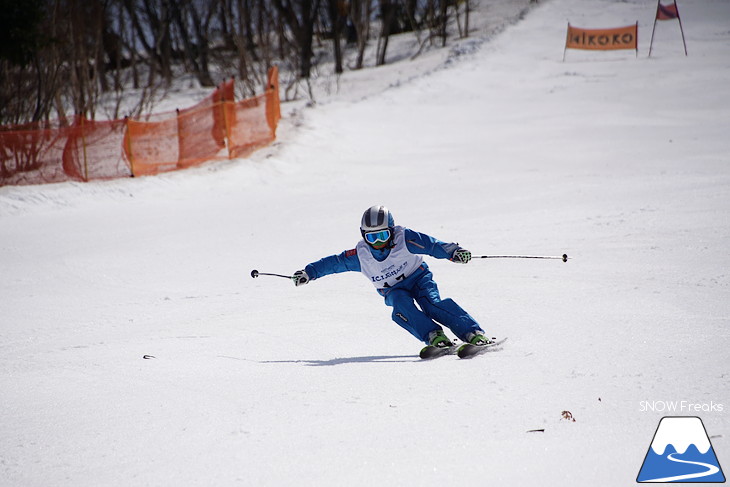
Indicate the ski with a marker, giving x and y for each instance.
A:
(468, 350)
(465, 350)
(430, 352)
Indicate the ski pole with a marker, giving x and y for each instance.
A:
(255, 274)
(564, 257)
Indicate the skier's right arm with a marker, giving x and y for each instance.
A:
(342, 262)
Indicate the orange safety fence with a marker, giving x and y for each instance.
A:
(174, 140)
(84, 150)
(80, 151)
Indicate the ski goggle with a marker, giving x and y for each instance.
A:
(379, 236)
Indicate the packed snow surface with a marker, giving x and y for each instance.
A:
(619, 160)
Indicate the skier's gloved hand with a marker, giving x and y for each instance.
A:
(300, 278)
(461, 256)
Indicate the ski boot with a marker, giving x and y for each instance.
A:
(438, 345)
(478, 338)
(475, 341)
(439, 339)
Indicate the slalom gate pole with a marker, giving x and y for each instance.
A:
(680, 27)
(255, 274)
(564, 257)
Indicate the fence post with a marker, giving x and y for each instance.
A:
(273, 107)
(227, 124)
(224, 101)
(179, 138)
(128, 144)
(83, 145)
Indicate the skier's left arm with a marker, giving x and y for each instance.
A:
(420, 243)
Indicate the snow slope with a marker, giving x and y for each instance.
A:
(620, 161)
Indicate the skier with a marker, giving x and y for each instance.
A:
(390, 257)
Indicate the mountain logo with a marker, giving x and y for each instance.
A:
(681, 452)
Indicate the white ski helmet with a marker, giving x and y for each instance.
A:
(376, 221)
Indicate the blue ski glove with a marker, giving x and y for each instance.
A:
(461, 256)
(300, 278)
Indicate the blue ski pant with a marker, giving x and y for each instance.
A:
(431, 310)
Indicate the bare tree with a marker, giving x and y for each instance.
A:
(360, 15)
(249, 30)
(193, 21)
(337, 10)
(388, 26)
(300, 16)
(151, 20)
(27, 82)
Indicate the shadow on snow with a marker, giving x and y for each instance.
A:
(348, 360)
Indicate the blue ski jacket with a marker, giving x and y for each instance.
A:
(417, 243)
